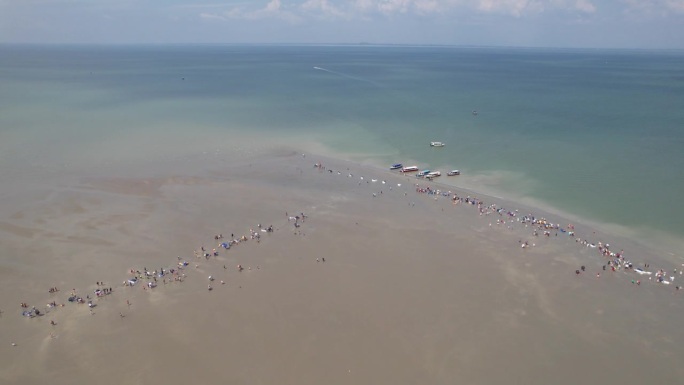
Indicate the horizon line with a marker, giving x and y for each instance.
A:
(359, 44)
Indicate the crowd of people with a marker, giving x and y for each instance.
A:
(149, 279)
(176, 273)
(611, 260)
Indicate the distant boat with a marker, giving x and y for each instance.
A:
(453, 172)
(396, 166)
(434, 174)
(436, 144)
(423, 173)
(475, 112)
(410, 169)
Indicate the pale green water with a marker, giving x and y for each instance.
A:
(598, 135)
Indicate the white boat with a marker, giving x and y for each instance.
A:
(410, 169)
(423, 173)
(434, 174)
(436, 144)
(453, 172)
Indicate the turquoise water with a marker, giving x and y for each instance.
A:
(595, 134)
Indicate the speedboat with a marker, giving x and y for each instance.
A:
(396, 166)
(410, 169)
(453, 172)
(436, 144)
(434, 174)
(423, 173)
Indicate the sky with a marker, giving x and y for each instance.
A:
(650, 24)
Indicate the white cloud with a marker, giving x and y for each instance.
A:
(513, 7)
(299, 11)
(394, 6)
(273, 6)
(363, 5)
(211, 16)
(585, 6)
(675, 5)
(211, 5)
(323, 8)
(272, 10)
(427, 6)
(526, 7)
(651, 7)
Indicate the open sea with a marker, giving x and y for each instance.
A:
(595, 135)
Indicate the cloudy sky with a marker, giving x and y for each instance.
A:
(549, 23)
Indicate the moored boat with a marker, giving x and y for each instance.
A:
(453, 172)
(396, 166)
(434, 174)
(436, 144)
(423, 173)
(410, 169)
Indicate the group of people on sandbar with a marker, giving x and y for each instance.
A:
(541, 226)
(175, 273)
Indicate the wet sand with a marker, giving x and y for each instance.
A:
(413, 289)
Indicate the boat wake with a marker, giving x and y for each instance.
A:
(347, 76)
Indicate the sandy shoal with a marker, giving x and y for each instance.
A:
(413, 289)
